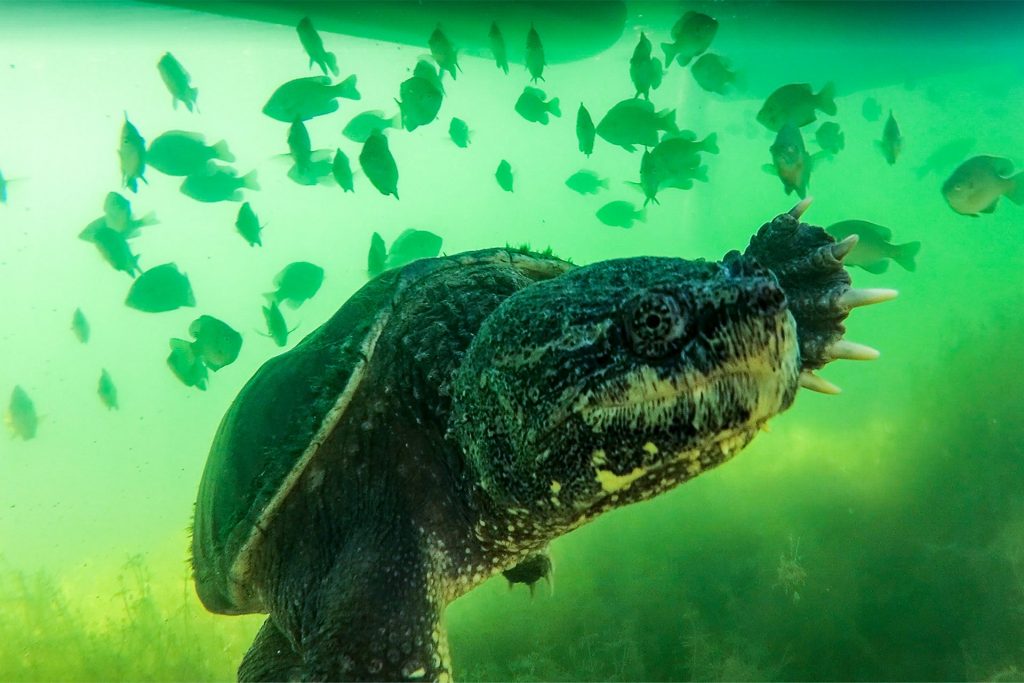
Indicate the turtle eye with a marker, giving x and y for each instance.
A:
(655, 325)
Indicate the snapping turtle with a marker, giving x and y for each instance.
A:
(457, 414)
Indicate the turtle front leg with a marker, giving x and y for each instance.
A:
(808, 264)
(270, 657)
(370, 612)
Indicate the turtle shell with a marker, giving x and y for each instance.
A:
(273, 429)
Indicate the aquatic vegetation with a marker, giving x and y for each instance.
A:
(47, 634)
(790, 572)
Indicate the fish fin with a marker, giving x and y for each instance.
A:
(878, 267)
(554, 108)
(820, 156)
(174, 102)
(149, 219)
(1016, 193)
(222, 151)
(991, 208)
(193, 93)
(825, 99)
(769, 169)
(904, 254)
(632, 183)
(649, 200)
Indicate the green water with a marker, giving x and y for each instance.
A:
(878, 534)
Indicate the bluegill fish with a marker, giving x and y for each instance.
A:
(532, 106)
(160, 289)
(504, 175)
(248, 225)
(790, 160)
(80, 326)
(635, 122)
(443, 52)
(182, 153)
(216, 342)
(306, 98)
(644, 71)
(361, 125)
(620, 214)
(178, 82)
(796, 103)
(874, 248)
(186, 365)
(498, 47)
(132, 153)
(977, 184)
(313, 44)
(535, 61)
(585, 130)
(107, 391)
(297, 282)
(586, 182)
(714, 73)
(691, 35)
(420, 97)
(891, 143)
(458, 131)
(379, 166)
(218, 184)
(21, 415)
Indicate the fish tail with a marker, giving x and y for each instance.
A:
(149, 219)
(603, 183)
(904, 254)
(1016, 191)
(641, 215)
(222, 151)
(670, 52)
(668, 118)
(825, 99)
(554, 107)
(710, 143)
(332, 63)
(347, 89)
(250, 181)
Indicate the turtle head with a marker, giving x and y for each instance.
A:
(614, 382)
(619, 380)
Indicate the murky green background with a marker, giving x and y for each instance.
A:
(878, 534)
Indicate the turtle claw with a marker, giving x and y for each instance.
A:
(852, 351)
(841, 249)
(808, 380)
(808, 264)
(852, 298)
(801, 206)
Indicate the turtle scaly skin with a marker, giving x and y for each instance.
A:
(457, 415)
